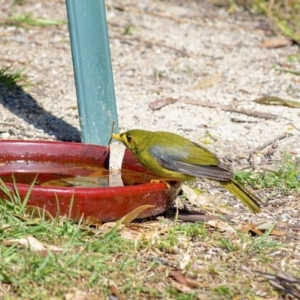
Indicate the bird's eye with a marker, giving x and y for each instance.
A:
(129, 139)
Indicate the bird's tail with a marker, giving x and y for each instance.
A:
(245, 196)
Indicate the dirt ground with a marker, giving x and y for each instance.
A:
(191, 52)
(208, 61)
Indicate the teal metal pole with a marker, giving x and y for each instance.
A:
(92, 70)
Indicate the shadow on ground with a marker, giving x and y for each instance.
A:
(26, 107)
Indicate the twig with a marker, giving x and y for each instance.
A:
(284, 282)
(257, 114)
(154, 14)
(160, 260)
(196, 217)
(288, 71)
(271, 142)
(182, 52)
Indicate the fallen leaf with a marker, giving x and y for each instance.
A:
(191, 283)
(106, 228)
(250, 227)
(130, 234)
(184, 261)
(272, 100)
(32, 244)
(56, 182)
(86, 181)
(218, 224)
(82, 295)
(134, 214)
(267, 226)
(145, 231)
(92, 221)
(182, 288)
(225, 3)
(208, 82)
(110, 225)
(37, 212)
(179, 277)
(275, 43)
(5, 227)
(278, 232)
(260, 228)
(202, 199)
(197, 284)
(116, 292)
(160, 103)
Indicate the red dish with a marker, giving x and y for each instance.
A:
(25, 159)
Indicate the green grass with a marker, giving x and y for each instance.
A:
(24, 20)
(19, 2)
(285, 179)
(159, 74)
(128, 29)
(83, 262)
(283, 15)
(11, 80)
(92, 259)
(192, 230)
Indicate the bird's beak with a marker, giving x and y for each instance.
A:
(117, 137)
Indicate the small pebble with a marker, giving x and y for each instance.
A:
(5, 135)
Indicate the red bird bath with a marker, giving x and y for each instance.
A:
(47, 161)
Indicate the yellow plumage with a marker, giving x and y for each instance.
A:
(173, 157)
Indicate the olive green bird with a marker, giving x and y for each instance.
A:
(173, 157)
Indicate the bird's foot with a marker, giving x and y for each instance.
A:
(168, 185)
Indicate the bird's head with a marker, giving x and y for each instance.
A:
(132, 139)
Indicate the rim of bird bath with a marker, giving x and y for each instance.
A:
(104, 203)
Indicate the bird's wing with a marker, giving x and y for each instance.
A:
(184, 161)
